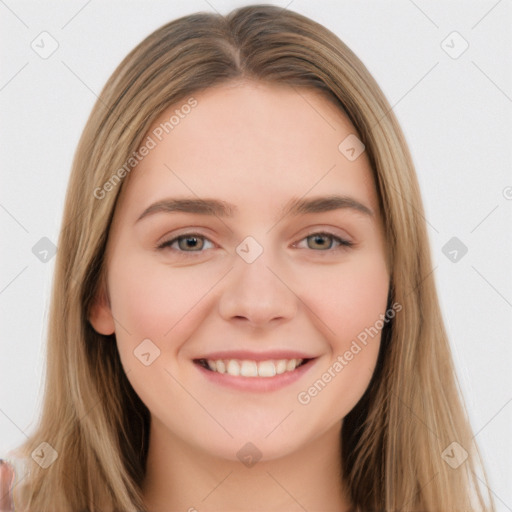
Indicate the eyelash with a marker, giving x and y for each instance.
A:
(343, 244)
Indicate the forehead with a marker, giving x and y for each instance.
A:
(246, 142)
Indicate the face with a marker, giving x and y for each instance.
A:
(254, 277)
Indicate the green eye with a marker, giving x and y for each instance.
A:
(187, 241)
(318, 237)
(194, 243)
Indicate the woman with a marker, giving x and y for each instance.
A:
(293, 355)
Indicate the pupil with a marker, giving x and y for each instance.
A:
(319, 237)
(193, 244)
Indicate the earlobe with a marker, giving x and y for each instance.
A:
(100, 314)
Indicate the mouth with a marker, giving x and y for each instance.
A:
(251, 376)
(252, 369)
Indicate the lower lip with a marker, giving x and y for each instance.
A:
(258, 384)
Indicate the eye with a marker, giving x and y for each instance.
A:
(193, 241)
(318, 241)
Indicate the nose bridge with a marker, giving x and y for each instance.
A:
(254, 289)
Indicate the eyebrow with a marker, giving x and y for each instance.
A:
(295, 207)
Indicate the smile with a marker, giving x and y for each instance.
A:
(247, 368)
(253, 376)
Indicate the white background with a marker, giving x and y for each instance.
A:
(456, 115)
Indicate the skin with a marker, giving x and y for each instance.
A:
(7, 476)
(256, 146)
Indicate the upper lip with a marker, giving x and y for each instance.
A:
(257, 356)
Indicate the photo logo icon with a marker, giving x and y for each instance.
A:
(454, 455)
(45, 455)
(454, 249)
(44, 250)
(249, 249)
(351, 147)
(454, 45)
(146, 352)
(45, 45)
(249, 455)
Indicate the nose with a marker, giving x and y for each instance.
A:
(258, 294)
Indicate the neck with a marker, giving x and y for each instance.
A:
(179, 477)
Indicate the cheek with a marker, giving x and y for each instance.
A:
(151, 298)
(157, 302)
(348, 305)
(349, 297)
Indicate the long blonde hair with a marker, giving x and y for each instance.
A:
(393, 440)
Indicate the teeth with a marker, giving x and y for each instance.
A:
(233, 368)
(290, 365)
(266, 369)
(246, 368)
(281, 366)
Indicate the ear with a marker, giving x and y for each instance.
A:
(100, 314)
